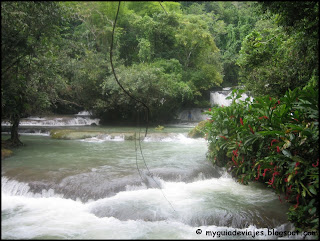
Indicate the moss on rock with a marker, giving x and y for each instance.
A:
(198, 131)
(5, 153)
(73, 134)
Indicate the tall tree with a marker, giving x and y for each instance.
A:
(26, 28)
(282, 51)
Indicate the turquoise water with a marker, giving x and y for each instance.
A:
(101, 188)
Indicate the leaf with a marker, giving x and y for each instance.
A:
(305, 189)
(312, 210)
(287, 153)
(307, 133)
(266, 133)
(287, 144)
(312, 190)
(290, 176)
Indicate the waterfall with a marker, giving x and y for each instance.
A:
(218, 98)
(196, 114)
(80, 119)
(84, 113)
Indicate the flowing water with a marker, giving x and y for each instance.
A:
(102, 188)
(218, 98)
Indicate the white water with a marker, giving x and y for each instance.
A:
(103, 138)
(196, 115)
(91, 189)
(133, 214)
(84, 113)
(219, 97)
(77, 120)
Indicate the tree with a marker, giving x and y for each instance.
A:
(26, 28)
(276, 58)
(159, 85)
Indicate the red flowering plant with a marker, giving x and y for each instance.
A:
(274, 141)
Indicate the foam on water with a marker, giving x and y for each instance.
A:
(139, 209)
(176, 138)
(103, 138)
(58, 121)
(84, 113)
(139, 212)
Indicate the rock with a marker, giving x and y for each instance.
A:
(5, 153)
(198, 131)
(159, 128)
(73, 134)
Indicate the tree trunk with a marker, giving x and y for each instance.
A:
(15, 141)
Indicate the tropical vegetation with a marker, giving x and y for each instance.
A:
(274, 141)
(170, 55)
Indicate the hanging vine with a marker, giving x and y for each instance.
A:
(138, 101)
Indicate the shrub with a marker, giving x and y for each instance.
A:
(274, 141)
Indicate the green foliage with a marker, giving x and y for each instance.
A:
(274, 141)
(150, 8)
(230, 23)
(293, 19)
(27, 30)
(281, 52)
(272, 62)
(56, 55)
(157, 84)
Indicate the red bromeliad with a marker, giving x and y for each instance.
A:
(297, 198)
(241, 121)
(274, 140)
(224, 137)
(264, 172)
(286, 178)
(273, 175)
(288, 191)
(235, 153)
(315, 165)
(258, 173)
(234, 161)
(271, 180)
(251, 129)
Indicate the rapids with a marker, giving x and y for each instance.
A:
(104, 189)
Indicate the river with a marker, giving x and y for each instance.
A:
(102, 188)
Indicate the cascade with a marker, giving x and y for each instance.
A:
(90, 189)
(196, 114)
(219, 97)
(81, 119)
